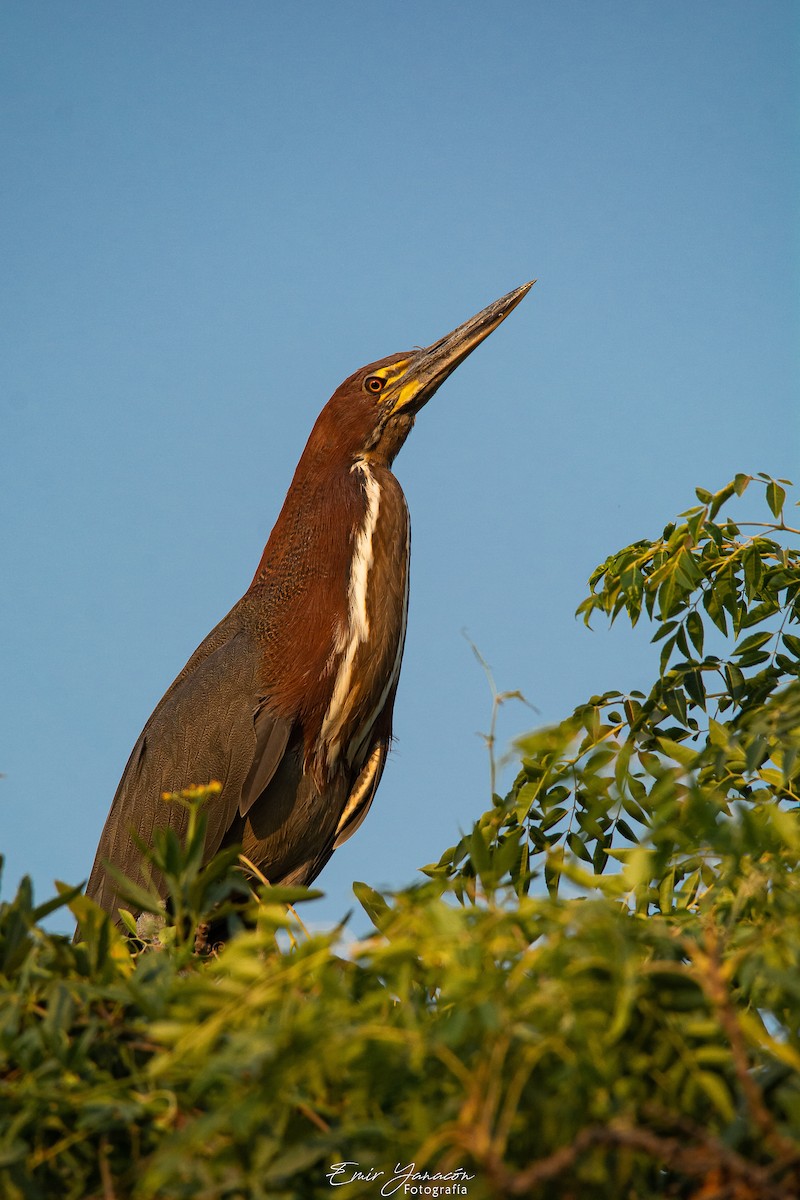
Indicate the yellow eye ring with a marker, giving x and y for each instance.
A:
(374, 384)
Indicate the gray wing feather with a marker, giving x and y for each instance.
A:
(272, 734)
(213, 723)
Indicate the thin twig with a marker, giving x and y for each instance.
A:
(261, 877)
(105, 1171)
(692, 1161)
(708, 966)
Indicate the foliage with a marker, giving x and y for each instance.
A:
(629, 1030)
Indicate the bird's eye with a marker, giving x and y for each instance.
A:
(374, 384)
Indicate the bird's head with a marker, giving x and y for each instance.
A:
(371, 414)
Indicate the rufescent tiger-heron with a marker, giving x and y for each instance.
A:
(288, 701)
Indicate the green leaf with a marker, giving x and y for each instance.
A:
(144, 899)
(682, 643)
(663, 630)
(372, 902)
(578, 847)
(735, 681)
(761, 612)
(129, 921)
(670, 594)
(720, 497)
(752, 658)
(776, 495)
(694, 627)
(753, 642)
(718, 1093)
(666, 891)
(633, 809)
(626, 831)
(666, 651)
(65, 897)
(553, 817)
(717, 734)
(622, 764)
(479, 851)
(293, 1161)
(713, 605)
(285, 894)
(552, 873)
(753, 571)
(685, 755)
(695, 687)
(675, 702)
(792, 643)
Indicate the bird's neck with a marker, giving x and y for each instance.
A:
(301, 587)
(313, 534)
(335, 570)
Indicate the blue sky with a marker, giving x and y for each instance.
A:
(214, 213)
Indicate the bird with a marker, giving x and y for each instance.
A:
(288, 702)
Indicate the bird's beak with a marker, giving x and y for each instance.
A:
(427, 369)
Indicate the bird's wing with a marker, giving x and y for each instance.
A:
(212, 724)
(362, 794)
(272, 734)
(305, 871)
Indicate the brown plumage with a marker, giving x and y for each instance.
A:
(288, 701)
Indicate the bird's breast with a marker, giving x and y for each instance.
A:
(364, 664)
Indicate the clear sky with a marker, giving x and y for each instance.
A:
(213, 213)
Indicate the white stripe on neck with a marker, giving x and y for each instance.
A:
(359, 739)
(356, 631)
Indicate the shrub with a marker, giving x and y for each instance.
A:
(594, 993)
